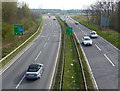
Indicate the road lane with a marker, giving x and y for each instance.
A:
(104, 63)
(42, 51)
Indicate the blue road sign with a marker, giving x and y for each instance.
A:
(104, 22)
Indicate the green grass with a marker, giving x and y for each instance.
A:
(72, 74)
(110, 35)
(20, 49)
(72, 78)
(85, 68)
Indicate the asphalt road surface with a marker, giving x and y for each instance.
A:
(44, 50)
(102, 57)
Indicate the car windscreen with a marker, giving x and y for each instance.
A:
(32, 69)
(93, 33)
(86, 39)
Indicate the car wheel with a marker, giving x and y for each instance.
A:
(39, 77)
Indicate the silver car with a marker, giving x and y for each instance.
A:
(34, 71)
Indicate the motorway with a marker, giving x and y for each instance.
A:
(44, 50)
(102, 57)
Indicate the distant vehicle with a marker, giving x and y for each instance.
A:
(34, 71)
(76, 23)
(86, 40)
(93, 34)
(54, 19)
(70, 18)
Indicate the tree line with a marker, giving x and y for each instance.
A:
(16, 13)
(109, 9)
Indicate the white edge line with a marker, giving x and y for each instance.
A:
(20, 82)
(109, 60)
(89, 68)
(38, 55)
(13, 61)
(55, 61)
(98, 47)
(109, 43)
(3, 70)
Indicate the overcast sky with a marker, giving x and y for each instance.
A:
(58, 4)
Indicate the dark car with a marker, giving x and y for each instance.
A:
(76, 23)
(34, 71)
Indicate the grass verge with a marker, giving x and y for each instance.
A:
(72, 78)
(89, 82)
(21, 48)
(72, 74)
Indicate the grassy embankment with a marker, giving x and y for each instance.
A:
(9, 46)
(72, 78)
(110, 35)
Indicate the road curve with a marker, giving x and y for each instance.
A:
(44, 50)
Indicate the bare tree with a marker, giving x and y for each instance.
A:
(106, 8)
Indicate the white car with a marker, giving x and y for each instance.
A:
(93, 34)
(34, 71)
(86, 40)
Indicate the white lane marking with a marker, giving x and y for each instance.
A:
(98, 47)
(109, 60)
(6, 67)
(20, 82)
(45, 45)
(49, 38)
(81, 30)
(51, 81)
(42, 36)
(86, 59)
(110, 43)
(85, 34)
(38, 55)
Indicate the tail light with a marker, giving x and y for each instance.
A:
(36, 75)
(26, 74)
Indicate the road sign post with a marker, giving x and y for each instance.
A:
(39, 16)
(64, 21)
(69, 30)
(36, 22)
(18, 30)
